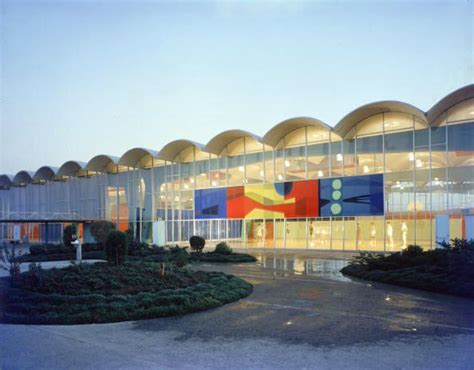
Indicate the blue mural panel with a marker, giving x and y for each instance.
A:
(210, 203)
(351, 196)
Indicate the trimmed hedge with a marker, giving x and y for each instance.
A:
(195, 291)
(224, 258)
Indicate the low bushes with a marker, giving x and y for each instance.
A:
(223, 258)
(447, 270)
(223, 248)
(222, 253)
(102, 293)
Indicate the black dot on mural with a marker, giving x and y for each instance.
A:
(287, 188)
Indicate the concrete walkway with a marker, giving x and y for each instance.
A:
(302, 315)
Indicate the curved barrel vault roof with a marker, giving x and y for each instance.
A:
(143, 157)
(138, 157)
(45, 173)
(103, 163)
(71, 169)
(23, 177)
(280, 130)
(6, 181)
(171, 150)
(348, 122)
(218, 143)
(454, 98)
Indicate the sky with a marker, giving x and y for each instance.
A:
(81, 78)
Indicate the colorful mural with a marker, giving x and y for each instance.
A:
(342, 196)
(352, 196)
(282, 200)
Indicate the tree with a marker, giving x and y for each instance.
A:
(100, 231)
(69, 235)
(197, 243)
(116, 247)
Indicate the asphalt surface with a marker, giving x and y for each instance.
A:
(302, 314)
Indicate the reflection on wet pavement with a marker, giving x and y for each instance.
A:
(294, 265)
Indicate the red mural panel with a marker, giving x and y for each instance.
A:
(289, 199)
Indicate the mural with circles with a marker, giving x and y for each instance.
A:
(351, 196)
(333, 197)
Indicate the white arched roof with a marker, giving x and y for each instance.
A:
(171, 150)
(279, 131)
(45, 173)
(23, 177)
(138, 157)
(103, 163)
(346, 124)
(72, 168)
(218, 143)
(454, 98)
(6, 181)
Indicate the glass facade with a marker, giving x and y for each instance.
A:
(426, 172)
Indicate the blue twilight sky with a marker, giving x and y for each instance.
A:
(80, 78)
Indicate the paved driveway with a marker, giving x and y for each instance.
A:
(302, 314)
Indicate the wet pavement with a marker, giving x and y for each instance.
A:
(302, 314)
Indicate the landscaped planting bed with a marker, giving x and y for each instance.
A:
(101, 293)
(449, 270)
(224, 258)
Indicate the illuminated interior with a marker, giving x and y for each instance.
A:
(425, 160)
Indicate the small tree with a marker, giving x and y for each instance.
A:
(197, 243)
(9, 260)
(116, 247)
(68, 235)
(100, 230)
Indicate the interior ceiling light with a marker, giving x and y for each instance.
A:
(339, 157)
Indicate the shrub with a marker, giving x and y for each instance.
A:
(136, 248)
(413, 251)
(116, 247)
(100, 230)
(69, 234)
(223, 248)
(197, 243)
(179, 256)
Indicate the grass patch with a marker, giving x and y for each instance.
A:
(100, 293)
(449, 270)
